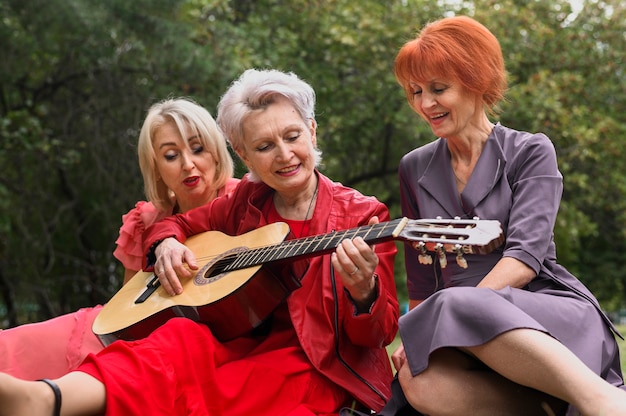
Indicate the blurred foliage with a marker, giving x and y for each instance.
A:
(77, 76)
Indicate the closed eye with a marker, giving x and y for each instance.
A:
(293, 138)
(170, 156)
(263, 148)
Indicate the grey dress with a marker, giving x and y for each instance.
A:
(516, 181)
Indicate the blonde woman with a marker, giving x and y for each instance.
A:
(185, 163)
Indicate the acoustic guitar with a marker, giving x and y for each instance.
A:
(236, 286)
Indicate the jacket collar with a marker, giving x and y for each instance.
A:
(438, 179)
(261, 192)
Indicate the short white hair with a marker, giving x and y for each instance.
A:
(256, 89)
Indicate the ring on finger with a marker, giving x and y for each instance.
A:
(356, 269)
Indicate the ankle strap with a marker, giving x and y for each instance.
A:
(57, 395)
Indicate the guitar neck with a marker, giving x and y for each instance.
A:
(310, 246)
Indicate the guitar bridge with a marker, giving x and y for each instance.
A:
(150, 288)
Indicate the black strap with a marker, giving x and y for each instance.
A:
(57, 396)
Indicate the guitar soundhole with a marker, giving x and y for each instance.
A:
(218, 267)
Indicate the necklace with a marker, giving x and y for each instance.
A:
(308, 211)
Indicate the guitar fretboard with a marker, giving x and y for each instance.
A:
(308, 246)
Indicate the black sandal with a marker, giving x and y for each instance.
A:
(57, 395)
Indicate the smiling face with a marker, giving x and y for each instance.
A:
(185, 166)
(450, 110)
(278, 146)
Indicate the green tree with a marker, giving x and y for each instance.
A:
(75, 81)
(568, 81)
(77, 77)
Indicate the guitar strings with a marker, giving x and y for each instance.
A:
(299, 242)
(262, 251)
(294, 248)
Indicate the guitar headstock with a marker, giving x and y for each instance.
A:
(460, 236)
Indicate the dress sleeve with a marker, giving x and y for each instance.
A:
(129, 242)
(537, 186)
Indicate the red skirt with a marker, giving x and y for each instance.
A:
(181, 369)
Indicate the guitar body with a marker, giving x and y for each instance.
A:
(231, 303)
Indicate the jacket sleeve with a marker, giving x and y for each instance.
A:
(377, 328)
(179, 226)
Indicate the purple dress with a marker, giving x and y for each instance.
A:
(517, 182)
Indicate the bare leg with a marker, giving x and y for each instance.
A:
(535, 359)
(522, 357)
(454, 384)
(81, 393)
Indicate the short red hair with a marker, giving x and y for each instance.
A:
(457, 48)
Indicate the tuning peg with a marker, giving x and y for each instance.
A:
(423, 257)
(441, 254)
(460, 260)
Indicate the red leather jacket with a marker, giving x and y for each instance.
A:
(347, 348)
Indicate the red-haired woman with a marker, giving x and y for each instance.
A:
(514, 333)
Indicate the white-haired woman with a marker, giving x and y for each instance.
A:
(321, 350)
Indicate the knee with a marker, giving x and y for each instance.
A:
(462, 295)
(461, 302)
(420, 391)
